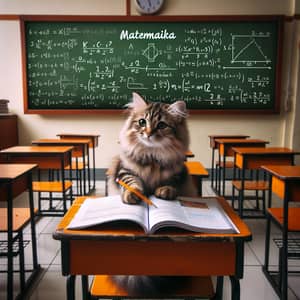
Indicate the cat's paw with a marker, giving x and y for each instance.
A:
(166, 192)
(130, 198)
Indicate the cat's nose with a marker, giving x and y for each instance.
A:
(148, 132)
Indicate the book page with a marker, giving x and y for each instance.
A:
(207, 214)
(94, 211)
(195, 214)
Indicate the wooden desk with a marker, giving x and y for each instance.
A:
(80, 149)
(225, 150)
(93, 144)
(285, 183)
(254, 158)
(52, 157)
(114, 250)
(214, 145)
(14, 180)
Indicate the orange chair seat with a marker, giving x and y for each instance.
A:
(196, 168)
(251, 185)
(50, 186)
(21, 217)
(76, 166)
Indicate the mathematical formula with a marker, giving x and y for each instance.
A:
(99, 66)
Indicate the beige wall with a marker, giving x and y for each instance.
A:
(278, 129)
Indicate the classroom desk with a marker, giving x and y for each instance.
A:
(225, 149)
(114, 250)
(14, 180)
(214, 146)
(52, 157)
(285, 183)
(80, 149)
(254, 158)
(94, 138)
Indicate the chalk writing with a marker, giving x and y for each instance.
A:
(210, 65)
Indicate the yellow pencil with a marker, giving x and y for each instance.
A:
(136, 192)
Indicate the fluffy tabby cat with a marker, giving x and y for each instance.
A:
(153, 143)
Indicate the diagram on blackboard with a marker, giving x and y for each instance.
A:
(133, 85)
(247, 51)
(151, 52)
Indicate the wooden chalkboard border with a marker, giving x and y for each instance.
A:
(228, 18)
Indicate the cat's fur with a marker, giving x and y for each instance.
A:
(153, 140)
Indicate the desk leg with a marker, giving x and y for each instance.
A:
(71, 287)
(219, 287)
(94, 167)
(235, 288)
(84, 172)
(212, 167)
(10, 275)
(89, 170)
(32, 226)
(85, 287)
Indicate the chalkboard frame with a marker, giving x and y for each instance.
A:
(228, 18)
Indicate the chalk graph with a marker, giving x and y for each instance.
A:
(248, 51)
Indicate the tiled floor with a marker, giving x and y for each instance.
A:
(51, 284)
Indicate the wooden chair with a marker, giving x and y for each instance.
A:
(197, 287)
(258, 186)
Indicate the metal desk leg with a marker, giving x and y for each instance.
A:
(235, 288)
(212, 167)
(94, 167)
(219, 288)
(85, 287)
(71, 287)
(10, 276)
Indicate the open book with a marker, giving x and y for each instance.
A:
(194, 214)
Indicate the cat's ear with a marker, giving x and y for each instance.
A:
(178, 109)
(138, 103)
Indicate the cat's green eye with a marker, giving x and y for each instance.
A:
(142, 122)
(161, 125)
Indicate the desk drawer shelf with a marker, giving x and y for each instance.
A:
(16, 248)
(293, 247)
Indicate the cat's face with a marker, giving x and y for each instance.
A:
(158, 128)
(153, 126)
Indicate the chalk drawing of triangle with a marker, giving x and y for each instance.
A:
(250, 52)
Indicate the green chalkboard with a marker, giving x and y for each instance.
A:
(90, 64)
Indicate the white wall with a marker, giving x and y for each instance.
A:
(278, 129)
